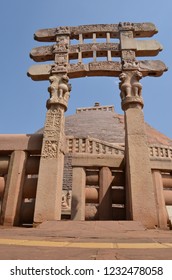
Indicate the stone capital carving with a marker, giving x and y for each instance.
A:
(58, 68)
(63, 30)
(62, 40)
(60, 48)
(131, 89)
(130, 64)
(61, 59)
(59, 90)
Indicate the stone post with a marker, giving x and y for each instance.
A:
(78, 194)
(162, 211)
(140, 198)
(11, 204)
(105, 194)
(50, 177)
(140, 193)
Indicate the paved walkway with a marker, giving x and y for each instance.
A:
(97, 240)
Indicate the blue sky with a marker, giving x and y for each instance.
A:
(23, 101)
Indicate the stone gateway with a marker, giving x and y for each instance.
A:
(118, 168)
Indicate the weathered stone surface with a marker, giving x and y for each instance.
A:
(91, 195)
(13, 191)
(43, 53)
(160, 199)
(167, 181)
(168, 197)
(59, 90)
(154, 68)
(78, 194)
(2, 186)
(163, 165)
(102, 68)
(40, 72)
(142, 48)
(4, 164)
(144, 200)
(92, 146)
(148, 48)
(105, 194)
(140, 30)
(98, 161)
(81, 125)
(21, 142)
(131, 89)
(51, 167)
(141, 200)
(49, 190)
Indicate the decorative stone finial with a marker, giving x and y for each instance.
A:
(96, 104)
(131, 89)
(126, 26)
(59, 90)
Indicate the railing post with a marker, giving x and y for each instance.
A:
(160, 200)
(78, 194)
(11, 204)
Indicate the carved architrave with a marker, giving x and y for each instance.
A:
(154, 68)
(56, 68)
(133, 48)
(131, 89)
(146, 29)
(85, 29)
(78, 67)
(105, 65)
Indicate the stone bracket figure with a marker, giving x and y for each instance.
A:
(131, 89)
(59, 90)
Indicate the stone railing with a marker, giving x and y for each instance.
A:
(96, 146)
(92, 146)
(160, 151)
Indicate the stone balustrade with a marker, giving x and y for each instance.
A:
(92, 146)
(160, 151)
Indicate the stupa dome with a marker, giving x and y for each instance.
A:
(103, 123)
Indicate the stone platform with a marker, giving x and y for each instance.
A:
(91, 240)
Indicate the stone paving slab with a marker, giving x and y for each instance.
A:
(68, 240)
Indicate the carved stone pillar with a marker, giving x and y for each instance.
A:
(140, 193)
(140, 197)
(50, 178)
(11, 204)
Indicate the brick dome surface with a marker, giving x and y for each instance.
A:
(103, 123)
